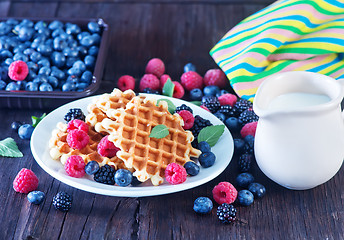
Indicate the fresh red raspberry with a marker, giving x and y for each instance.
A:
(188, 119)
(191, 80)
(18, 70)
(249, 129)
(228, 99)
(224, 192)
(155, 66)
(77, 139)
(178, 91)
(77, 124)
(205, 108)
(215, 77)
(163, 79)
(126, 82)
(175, 174)
(75, 166)
(26, 181)
(106, 148)
(149, 81)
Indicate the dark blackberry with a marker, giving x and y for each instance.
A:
(199, 124)
(212, 103)
(242, 105)
(226, 110)
(183, 107)
(226, 213)
(149, 90)
(74, 113)
(105, 174)
(62, 201)
(248, 116)
(244, 162)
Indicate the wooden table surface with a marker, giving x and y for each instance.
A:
(177, 32)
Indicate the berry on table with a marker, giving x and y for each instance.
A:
(107, 148)
(123, 177)
(220, 116)
(91, 167)
(126, 82)
(189, 67)
(199, 124)
(18, 70)
(25, 181)
(74, 113)
(62, 201)
(75, 166)
(175, 174)
(232, 123)
(188, 119)
(204, 147)
(105, 174)
(228, 99)
(77, 124)
(215, 77)
(15, 125)
(248, 116)
(203, 205)
(211, 90)
(226, 213)
(191, 80)
(224, 192)
(191, 168)
(242, 105)
(249, 129)
(77, 139)
(244, 179)
(245, 198)
(212, 103)
(183, 107)
(196, 94)
(178, 91)
(245, 161)
(207, 159)
(36, 197)
(149, 81)
(155, 66)
(25, 131)
(257, 189)
(135, 181)
(239, 146)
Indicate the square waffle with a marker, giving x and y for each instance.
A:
(148, 157)
(60, 150)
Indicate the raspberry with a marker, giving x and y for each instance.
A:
(248, 116)
(183, 107)
(149, 81)
(18, 70)
(178, 91)
(75, 166)
(204, 107)
(215, 77)
(227, 99)
(155, 66)
(188, 119)
(191, 80)
(126, 82)
(77, 139)
(77, 124)
(106, 148)
(224, 192)
(248, 129)
(163, 79)
(25, 181)
(175, 174)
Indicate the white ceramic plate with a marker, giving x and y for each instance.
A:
(40, 150)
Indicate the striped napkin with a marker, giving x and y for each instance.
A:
(289, 35)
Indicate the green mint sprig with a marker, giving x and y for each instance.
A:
(211, 134)
(9, 148)
(159, 131)
(36, 120)
(170, 105)
(168, 88)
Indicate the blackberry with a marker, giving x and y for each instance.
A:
(105, 174)
(149, 90)
(183, 107)
(62, 201)
(212, 103)
(226, 110)
(244, 162)
(74, 113)
(248, 116)
(226, 213)
(242, 105)
(199, 124)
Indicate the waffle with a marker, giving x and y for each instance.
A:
(106, 104)
(59, 149)
(148, 157)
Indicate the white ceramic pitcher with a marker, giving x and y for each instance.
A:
(299, 147)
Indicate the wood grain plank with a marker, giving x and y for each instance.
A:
(33, 9)
(4, 7)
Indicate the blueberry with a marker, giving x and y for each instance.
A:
(57, 32)
(55, 25)
(20, 56)
(68, 87)
(82, 35)
(12, 86)
(203, 205)
(22, 84)
(87, 41)
(204, 147)
(70, 61)
(239, 145)
(221, 92)
(58, 59)
(39, 79)
(44, 71)
(43, 63)
(81, 86)
(72, 79)
(93, 27)
(210, 90)
(31, 86)
(36, 197)
(45, 87)
(191, 168)
(39, 25)
(4, 28)
(72, 29)
(56, 72)
(82, 51)
(233, 124)
(45, 49)
(93, 51)
(59, 43)
(53, 81)
(35, 57)
(25, 33)
(70, 52)
(91, 167)
(86, 77)
(196, 94)
(123, 177)
(249, 139)
(25, 131)
(189, 67)
(15, 125)
(80, 65)
(135, 181)
(8, 62)
(244, 179)
(4, 53)
(90, 61)
(3, 73)
(245, 197)
(96, 38)
(2, 85)
(207, 159)
(257, 189)
(220, 116)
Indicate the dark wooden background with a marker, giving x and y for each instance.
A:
(177, 32)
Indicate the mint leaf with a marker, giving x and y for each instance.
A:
(197, 103)
(9, 148)
(159, 131)
(36, 120)
(211, 134)
(168, 88)
(171, 106)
